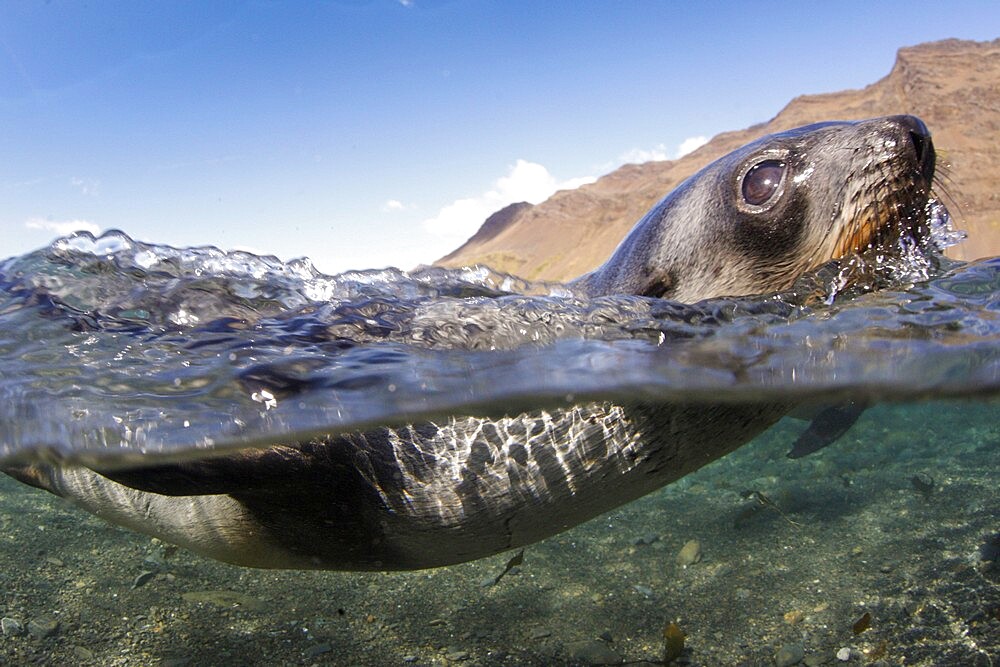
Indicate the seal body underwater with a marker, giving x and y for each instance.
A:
(431, 494)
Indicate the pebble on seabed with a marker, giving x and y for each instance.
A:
(11, 626)
(318, 649)
(689, 554)
(788, 655)
(43, 627)
(592, 652)
(143, 578)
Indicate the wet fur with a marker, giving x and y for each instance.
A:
(848, 185)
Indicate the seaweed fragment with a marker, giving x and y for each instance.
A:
(764, 501)
(879, 651)
(925, 487)
(862, 623)
(673, 642)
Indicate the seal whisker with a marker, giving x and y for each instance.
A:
(941, 185)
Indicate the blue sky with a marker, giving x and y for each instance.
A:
(363, 134)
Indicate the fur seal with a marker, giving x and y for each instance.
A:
(756, 219)
(433, 494)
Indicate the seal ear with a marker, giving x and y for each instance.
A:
(659, 284)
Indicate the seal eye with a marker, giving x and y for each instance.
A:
(762, 182)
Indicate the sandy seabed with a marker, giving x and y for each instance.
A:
(890, 522)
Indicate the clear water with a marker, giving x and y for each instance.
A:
(113, 350)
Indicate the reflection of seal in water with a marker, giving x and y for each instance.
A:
(437, 493)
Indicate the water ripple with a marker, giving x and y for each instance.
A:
(111, 349)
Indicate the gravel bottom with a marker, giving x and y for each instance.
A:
(840, 558)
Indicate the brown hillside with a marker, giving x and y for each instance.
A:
(953, 85)
(494, 225)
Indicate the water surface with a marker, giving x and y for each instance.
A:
(113, 349)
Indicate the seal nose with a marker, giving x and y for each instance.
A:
(920, 138)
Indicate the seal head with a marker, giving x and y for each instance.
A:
(756, 219)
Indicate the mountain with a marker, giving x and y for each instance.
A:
(953, 85)
(494, 225)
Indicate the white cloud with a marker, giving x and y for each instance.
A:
(574, 183)
(525, 181)
(406, 3)
(87, 187)
(394, 205)
(640, 155)
(690, 144)
(62, 227)
(661, 152)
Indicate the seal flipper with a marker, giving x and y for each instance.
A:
(826, 427)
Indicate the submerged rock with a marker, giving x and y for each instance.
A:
(43, 627)
(788, 655)
(11, 627)
(318, 649)
(592, 652)
(645, 591)
(645, 540)
(84, 653)
(143, 578)
(689, 554)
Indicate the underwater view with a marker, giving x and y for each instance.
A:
(881, 547)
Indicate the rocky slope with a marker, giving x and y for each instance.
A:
(953, 85)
